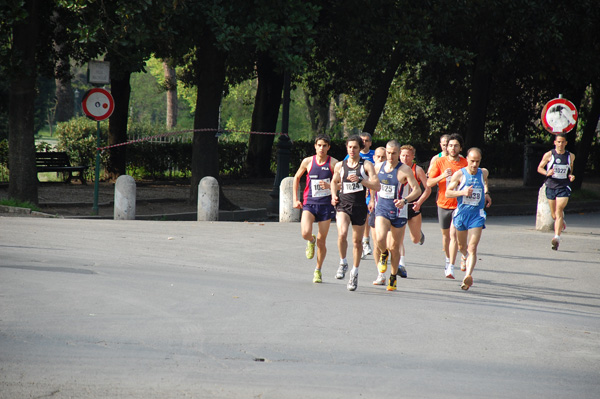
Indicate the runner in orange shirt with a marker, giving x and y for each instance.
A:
(440, 174)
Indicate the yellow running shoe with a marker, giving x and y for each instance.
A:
(317, 277)
(382, 265)
(310, 248)
(392, 283)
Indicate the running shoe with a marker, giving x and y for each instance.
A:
(310, 248)
(353, 282)
(317, 277)
(341, 271)
(402, 271)
(463, 263)
(555, 242)
(382, 265)
(422, 240)
(367, 248)
(467, 282)
(450, 271)
(392, 283)
(380, 279)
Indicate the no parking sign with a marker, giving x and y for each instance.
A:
(98, 104)
(559, 116)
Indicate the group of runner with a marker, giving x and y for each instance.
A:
(384, 189)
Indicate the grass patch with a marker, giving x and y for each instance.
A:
(19, 204)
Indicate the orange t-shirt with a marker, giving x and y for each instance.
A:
(440, 165)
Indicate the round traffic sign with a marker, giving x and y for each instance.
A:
(559, 116)
(98, 104)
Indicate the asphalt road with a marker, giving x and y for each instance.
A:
(145, 309)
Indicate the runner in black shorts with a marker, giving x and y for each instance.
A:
(557, 166)
(351, 177)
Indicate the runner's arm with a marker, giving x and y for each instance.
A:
(426, 193)
(450, 190)
(488, 199)
(542, 166)
(301, 170)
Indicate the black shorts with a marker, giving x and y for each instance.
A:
(357, 212)
(412, 213)
(553, 193)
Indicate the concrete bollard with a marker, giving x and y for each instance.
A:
(124, 198)
(208, 199)
(543, 217)
(287, 212)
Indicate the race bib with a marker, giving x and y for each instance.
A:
(560, 171)
(387, 191)
(350, 187)
(474, 198)
(317, 190)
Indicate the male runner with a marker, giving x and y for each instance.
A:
(317, 201)
(439, 174)
(366, 153)
(391, 210)
(352, 176)
(407, 157)
(443, 152)
(470, 187)
(557, 166)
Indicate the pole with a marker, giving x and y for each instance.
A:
(97, 177)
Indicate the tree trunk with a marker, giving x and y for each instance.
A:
(65, 101)
(23, 184)
(480, 95)
(587, 138)
(64, 91)
(318, 112)
(264, 117)
(209, 70)
(117, 126)
(383, 89)
(171, 85)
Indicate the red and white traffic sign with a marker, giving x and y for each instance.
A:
(559, 116)
(98, 104)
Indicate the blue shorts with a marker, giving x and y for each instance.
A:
(321, 212)
(396, 222)
(553, 193)
(469, 220)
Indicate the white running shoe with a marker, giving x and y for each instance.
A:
(367, 248)
(353, 281)
(450, 271)
(555, 243)
(341, 271)
(380, 279)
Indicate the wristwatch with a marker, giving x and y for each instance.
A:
(405, 201)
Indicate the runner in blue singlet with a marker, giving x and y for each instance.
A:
(469, 186)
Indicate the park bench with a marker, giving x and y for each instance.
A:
(58, 162)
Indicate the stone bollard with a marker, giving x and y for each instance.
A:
(208, 199)
(543, 217)
(124, 198)
(287, 212)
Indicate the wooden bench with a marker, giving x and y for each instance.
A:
(58, 162)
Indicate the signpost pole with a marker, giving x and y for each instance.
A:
(97, 171)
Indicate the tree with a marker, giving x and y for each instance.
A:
(26, 29)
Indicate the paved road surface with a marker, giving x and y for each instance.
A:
(141, 309)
